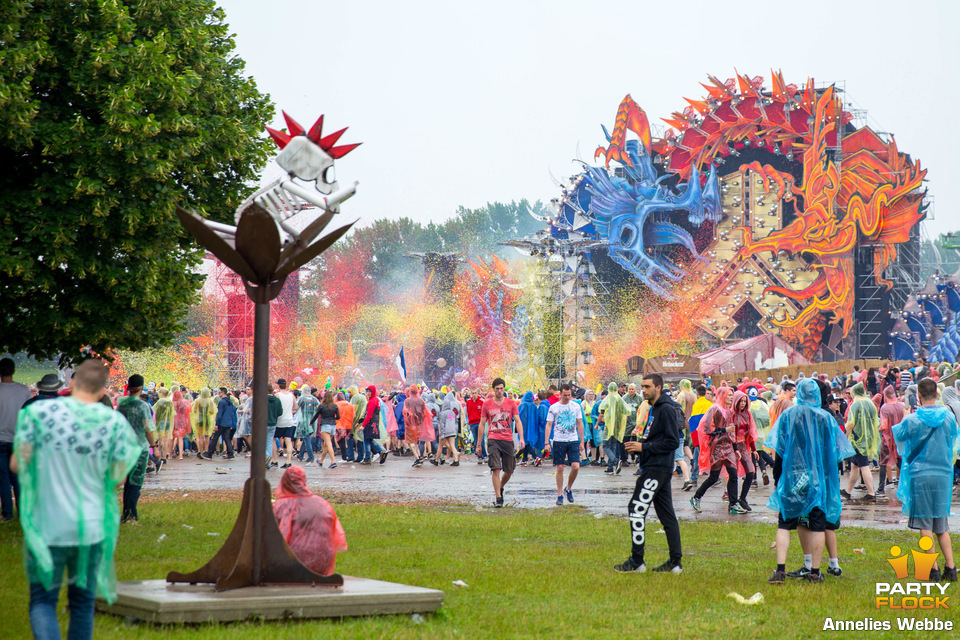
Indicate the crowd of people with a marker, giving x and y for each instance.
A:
(801, 434)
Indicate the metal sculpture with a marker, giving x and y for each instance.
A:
(263, 249)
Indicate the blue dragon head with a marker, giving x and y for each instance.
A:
(638, 219)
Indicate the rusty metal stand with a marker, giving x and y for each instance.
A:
(255, 552)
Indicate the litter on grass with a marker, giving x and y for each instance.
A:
(213, 533)
(460, 583)
(162, 537)
(859, 551)
(756, 598)
(417, 618)
(186, 526)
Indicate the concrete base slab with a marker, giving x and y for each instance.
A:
(159, 601)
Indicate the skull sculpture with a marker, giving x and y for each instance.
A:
(308, 155)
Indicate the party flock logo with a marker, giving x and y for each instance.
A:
(911, 596)
(919, 593)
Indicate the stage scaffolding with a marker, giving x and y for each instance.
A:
(568, 310)
(232, 329)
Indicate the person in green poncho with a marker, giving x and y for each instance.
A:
(71, 453)
(863, 431)
(359, 402)
(613, 417)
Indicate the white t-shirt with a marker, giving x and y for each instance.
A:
(286, 418)
(12, 397)
(564, 418)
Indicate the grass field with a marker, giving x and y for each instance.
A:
(531, 573)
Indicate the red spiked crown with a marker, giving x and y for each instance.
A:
(315, 135)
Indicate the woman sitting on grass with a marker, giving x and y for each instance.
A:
(308, 523)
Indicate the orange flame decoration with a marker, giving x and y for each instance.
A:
(841, 207)
(873, 196)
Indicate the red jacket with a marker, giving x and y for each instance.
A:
(474, 406)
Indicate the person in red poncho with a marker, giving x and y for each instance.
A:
(308, 523)
(371, 427)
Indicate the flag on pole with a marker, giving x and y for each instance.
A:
(401, 366)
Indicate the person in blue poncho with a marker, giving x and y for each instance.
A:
(927, 441)
(528, 417)
(398, 400)
(809, 445)
(542, 410)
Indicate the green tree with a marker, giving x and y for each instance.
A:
(110, 113)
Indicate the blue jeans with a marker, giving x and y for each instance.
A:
(370, 445)
(270, 431)
(612, 448)
(307, 447)
(43, 602)
(354, 445)
(8, 482)
(475, 430)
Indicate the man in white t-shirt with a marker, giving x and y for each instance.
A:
(566, 439)
(12, 396)
(72, 453)
(286, 427)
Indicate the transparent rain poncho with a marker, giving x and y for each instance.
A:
(165, 413)
(951, 399)
(927, 442)
(308, 523)
(810, 445)
(359, 402)
(307, 406)
(761, 418)
(449, 418)
(716, 434)
(614, 414)
(863, 424)
(68, 494)
(204, 414)
(527, 412)
(417, 419)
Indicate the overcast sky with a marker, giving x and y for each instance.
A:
(460, 104)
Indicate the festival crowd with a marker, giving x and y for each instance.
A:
(801, 434)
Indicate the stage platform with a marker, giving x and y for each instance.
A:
(162, 602)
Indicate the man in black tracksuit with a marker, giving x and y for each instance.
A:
(658, 441)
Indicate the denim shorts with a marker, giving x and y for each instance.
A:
(566, 452)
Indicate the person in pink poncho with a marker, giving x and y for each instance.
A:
(717, 449)
(892, 412)
(181, 422)
(419, 424)
(745, 445)
(308, 523)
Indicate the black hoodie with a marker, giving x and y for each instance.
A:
(661, 436)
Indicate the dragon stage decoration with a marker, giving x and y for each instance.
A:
(757, 197)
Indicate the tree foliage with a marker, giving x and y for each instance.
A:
(110, 113)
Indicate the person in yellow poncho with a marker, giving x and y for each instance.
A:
(613, 417)
(863, 431)
(204, 415)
